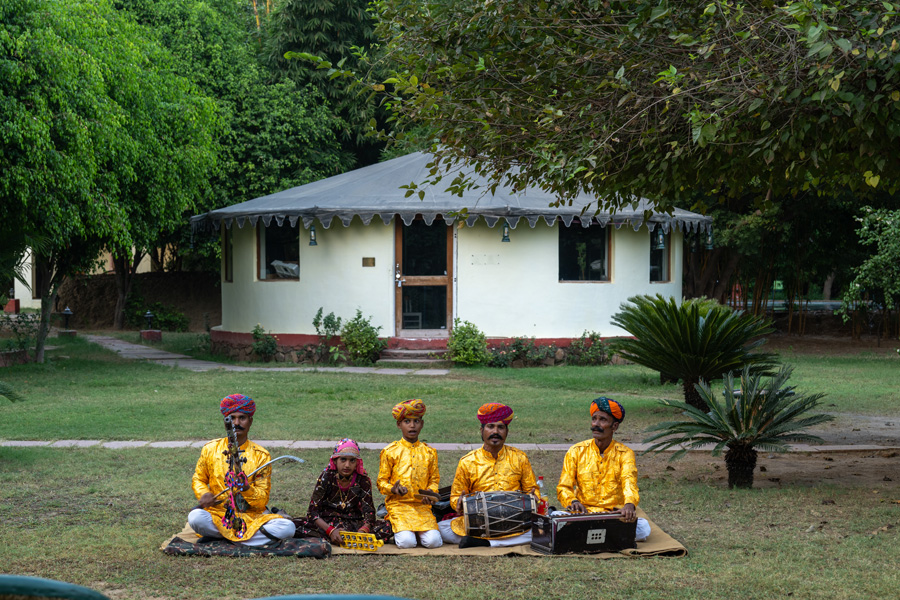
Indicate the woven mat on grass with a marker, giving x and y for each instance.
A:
(659, 543)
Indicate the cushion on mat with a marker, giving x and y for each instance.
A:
(293, 547)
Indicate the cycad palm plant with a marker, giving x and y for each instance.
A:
(699, 339)
(764, 415)
(8, 392)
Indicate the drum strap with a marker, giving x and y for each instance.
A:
(484, 511)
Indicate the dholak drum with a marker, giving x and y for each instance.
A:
(497, 514)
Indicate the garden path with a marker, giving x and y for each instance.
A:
(161, 357)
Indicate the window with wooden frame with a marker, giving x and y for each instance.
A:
(279, 252)
(583, 252)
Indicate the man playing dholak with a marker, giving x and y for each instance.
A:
(408, 466)
(495, 467)
(209, 481)
(600, 475)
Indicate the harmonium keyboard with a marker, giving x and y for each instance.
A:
(581, 534)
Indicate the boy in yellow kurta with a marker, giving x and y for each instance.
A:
(408, 466)
(600, 474)
(209, 481)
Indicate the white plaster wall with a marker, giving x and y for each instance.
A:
(331, 276)
(506, 289)
(513, 289)
(23, 292)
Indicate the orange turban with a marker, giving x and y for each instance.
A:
(494, 412)
(409, 409)
(609, 406)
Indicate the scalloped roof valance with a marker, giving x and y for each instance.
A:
(375, 191)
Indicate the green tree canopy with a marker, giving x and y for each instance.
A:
(878, 277)
(655, 98)
(335, 31)
(277, 133)
(102, 144)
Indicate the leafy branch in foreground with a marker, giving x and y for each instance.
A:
(659, 99)
(762, 415)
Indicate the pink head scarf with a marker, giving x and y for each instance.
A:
(347, 447)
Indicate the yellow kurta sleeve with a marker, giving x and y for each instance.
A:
(478, 471)
(434, 475)
(414, 466)
(600, 482)
(385, 470)
(462, 481)
(209, 476)
(565, 490)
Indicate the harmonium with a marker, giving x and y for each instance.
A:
(581, 533)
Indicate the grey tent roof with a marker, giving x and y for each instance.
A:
(375, 191)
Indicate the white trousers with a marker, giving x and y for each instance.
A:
(202, 522)
(449, 536)
(428, 539)
(643, 530)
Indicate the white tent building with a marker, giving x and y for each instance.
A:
(356, 241)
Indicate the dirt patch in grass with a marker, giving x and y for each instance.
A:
(829, 345)
(875, 470)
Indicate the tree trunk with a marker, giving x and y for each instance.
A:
(125, 270)
(156, 259)
(740, 460)
(47, 287)
(692, 396)
(826, 288)
(724, 282)
(123, 286)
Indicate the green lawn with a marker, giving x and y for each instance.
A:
(86, 392)
(97, 517)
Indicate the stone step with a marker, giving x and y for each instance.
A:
(406, 354)
(428, 363)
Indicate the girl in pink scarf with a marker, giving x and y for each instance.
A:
(342, 499)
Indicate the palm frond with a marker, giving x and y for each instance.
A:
(765, 414)
(700, 339)
(8, 392)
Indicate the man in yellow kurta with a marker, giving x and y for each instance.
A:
(408, 466)
(600, 474)
(495, 467)
(209, 480)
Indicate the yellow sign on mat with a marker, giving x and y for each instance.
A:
(352, 540)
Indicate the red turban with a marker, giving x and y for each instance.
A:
(237, 403)
(494, 412)
(409, 409)
(609, 406)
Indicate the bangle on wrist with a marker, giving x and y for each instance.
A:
(329, 530)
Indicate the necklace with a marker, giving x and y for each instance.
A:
(345, 501)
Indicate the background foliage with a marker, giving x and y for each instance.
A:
(654, 98)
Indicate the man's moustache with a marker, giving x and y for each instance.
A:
(495, 437)
(597, 429)
(237, 428)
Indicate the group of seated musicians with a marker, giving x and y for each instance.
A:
(598, 475)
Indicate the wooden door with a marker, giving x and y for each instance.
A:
(423, 274)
